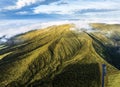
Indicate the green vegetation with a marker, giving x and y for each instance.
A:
(77, 75)
(58, 57)
(114, 80)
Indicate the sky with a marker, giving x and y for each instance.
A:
(59, 9)
(19, 13)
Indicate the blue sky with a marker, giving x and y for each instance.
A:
(24, 15)
(59, 9)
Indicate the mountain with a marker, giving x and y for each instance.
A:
(61, 56)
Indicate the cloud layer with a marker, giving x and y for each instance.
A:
(61, 9)
(12, 27)
(22, 3)
(74, 6)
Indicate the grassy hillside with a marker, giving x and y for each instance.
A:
(114, 80)
(55, 57)
(109, 36)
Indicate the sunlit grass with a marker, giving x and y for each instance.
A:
(114, 80)
(2, 56)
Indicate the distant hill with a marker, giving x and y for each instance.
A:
(59, 56)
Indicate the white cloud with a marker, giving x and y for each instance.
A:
(22, 3)
(71, 9)
(113, 16)
(23, 13)
(13, 27)
(72, 6)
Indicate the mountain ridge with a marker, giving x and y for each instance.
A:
(44, 55)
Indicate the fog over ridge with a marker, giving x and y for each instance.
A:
(11, 28)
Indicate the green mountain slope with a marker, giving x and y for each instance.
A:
(109, 36)
(55, 57)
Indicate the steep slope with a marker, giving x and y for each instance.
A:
(53, 57)
(109, 36)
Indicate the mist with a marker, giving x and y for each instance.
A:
(14, 27)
